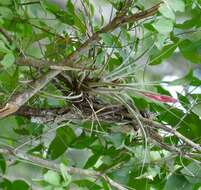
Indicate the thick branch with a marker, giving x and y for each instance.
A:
(43, 64)
(115, 113)
(53, 166)
(20, 99)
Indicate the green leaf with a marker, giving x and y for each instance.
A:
(189, 79)
(92, 161)
(8, 60)
(5, 12)
(20, 184)
(106, 186)
(77, 20)
(107, 39)
(9, 80)
(83, 141)
(24, 30)
(21, 131)
(70, 7)
(192, 173)
(117, 139)
(157, 56)
(52, 178)
(5, 184)
(64, 138)
(2, 164)
(59, 188)
(63, 16)
(177, 5)
(100, 58)
(29, 128)
(160, 41)
(166, 11)
(5, 2)
(49, 187)
(191, 50)
(88, 184)
(163, 26)
(188, 126)
(197, 109)
(37, 149)
(177, 182)
(3, 48)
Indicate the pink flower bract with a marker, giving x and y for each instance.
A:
(160, 98)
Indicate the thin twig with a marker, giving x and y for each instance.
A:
(172, 131)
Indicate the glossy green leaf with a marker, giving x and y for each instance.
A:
(83, 141)
(5, 184)
(191, 50)
(20, 184)
(92, 161)
(64, 138)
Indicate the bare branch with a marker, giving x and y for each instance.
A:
(41, 64)
(21, 155)
(108, 114)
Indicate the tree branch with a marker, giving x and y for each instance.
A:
(42, 64)
(107, 114)
(20, 99)
(21, 155)
(173, 131)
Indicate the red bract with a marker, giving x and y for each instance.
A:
(160, 98)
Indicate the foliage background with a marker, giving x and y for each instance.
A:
(103, 122)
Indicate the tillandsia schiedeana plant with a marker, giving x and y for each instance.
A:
(100, 94)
